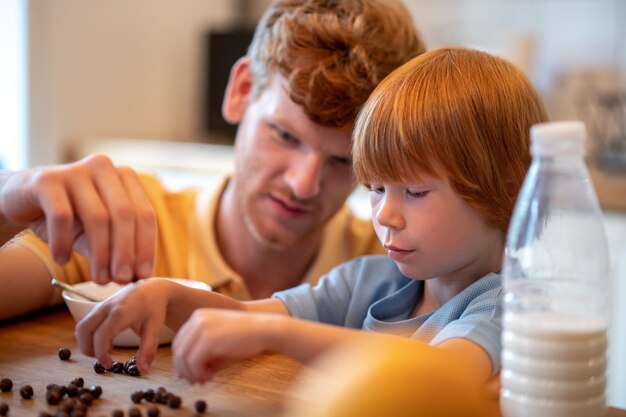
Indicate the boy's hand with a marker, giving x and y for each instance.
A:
(213, 338)
(141, 306)
(493, 388)
(89, 206)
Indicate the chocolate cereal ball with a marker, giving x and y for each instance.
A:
(6, 385)
(64, 354)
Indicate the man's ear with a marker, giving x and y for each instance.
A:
(238, 91)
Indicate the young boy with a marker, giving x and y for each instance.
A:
(442, 143)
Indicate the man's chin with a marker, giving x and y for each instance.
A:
(276, 241)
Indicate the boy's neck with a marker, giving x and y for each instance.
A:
(427, 302)
(438, 291)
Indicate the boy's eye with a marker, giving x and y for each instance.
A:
(416, 194)
(375, 188)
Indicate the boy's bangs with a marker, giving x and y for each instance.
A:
(389, 146)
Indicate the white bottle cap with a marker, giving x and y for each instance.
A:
(558, 138)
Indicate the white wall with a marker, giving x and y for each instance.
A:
(134, 69)
(116, 68)
(564, 46)
(12, 84)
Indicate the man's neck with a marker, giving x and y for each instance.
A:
(264, 269)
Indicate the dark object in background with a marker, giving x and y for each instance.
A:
(604, 111)
(223, 49)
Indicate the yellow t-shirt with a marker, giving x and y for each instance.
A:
(187, 247)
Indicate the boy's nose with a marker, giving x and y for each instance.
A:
(388, 215)
(304, 176)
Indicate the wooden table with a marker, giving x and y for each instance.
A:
(29, 355)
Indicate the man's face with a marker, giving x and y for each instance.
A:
(291, 175)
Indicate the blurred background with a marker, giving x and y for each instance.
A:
(142, 81)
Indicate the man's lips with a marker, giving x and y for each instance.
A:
(289, 206)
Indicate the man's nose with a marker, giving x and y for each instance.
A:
(304, 175)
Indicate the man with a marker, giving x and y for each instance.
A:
(278, 220)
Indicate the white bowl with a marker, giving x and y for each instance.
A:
(79, 307)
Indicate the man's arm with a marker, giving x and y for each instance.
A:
(24, 282)
(8, 229)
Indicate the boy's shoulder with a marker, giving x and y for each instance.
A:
(371, 268)
(377, 263)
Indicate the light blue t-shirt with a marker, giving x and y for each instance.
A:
(371, 293)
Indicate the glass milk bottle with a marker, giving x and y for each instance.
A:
(556, 279)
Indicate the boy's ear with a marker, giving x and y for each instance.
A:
(238, 91)
(512, 188)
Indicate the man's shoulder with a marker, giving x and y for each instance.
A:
(158, 192)
(347, 217)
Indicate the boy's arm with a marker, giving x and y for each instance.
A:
(149, 304)
(476, 357)
(304, 340)
(212, 338)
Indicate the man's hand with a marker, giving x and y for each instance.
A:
(89, 206)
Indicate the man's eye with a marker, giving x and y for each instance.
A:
(342, 160)
(284, 136)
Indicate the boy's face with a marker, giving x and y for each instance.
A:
(430, 231)
(292, 175)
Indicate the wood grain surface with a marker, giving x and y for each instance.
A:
(29, 355)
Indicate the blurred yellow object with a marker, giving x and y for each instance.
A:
(390, 376)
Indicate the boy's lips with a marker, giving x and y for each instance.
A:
(396, 253)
